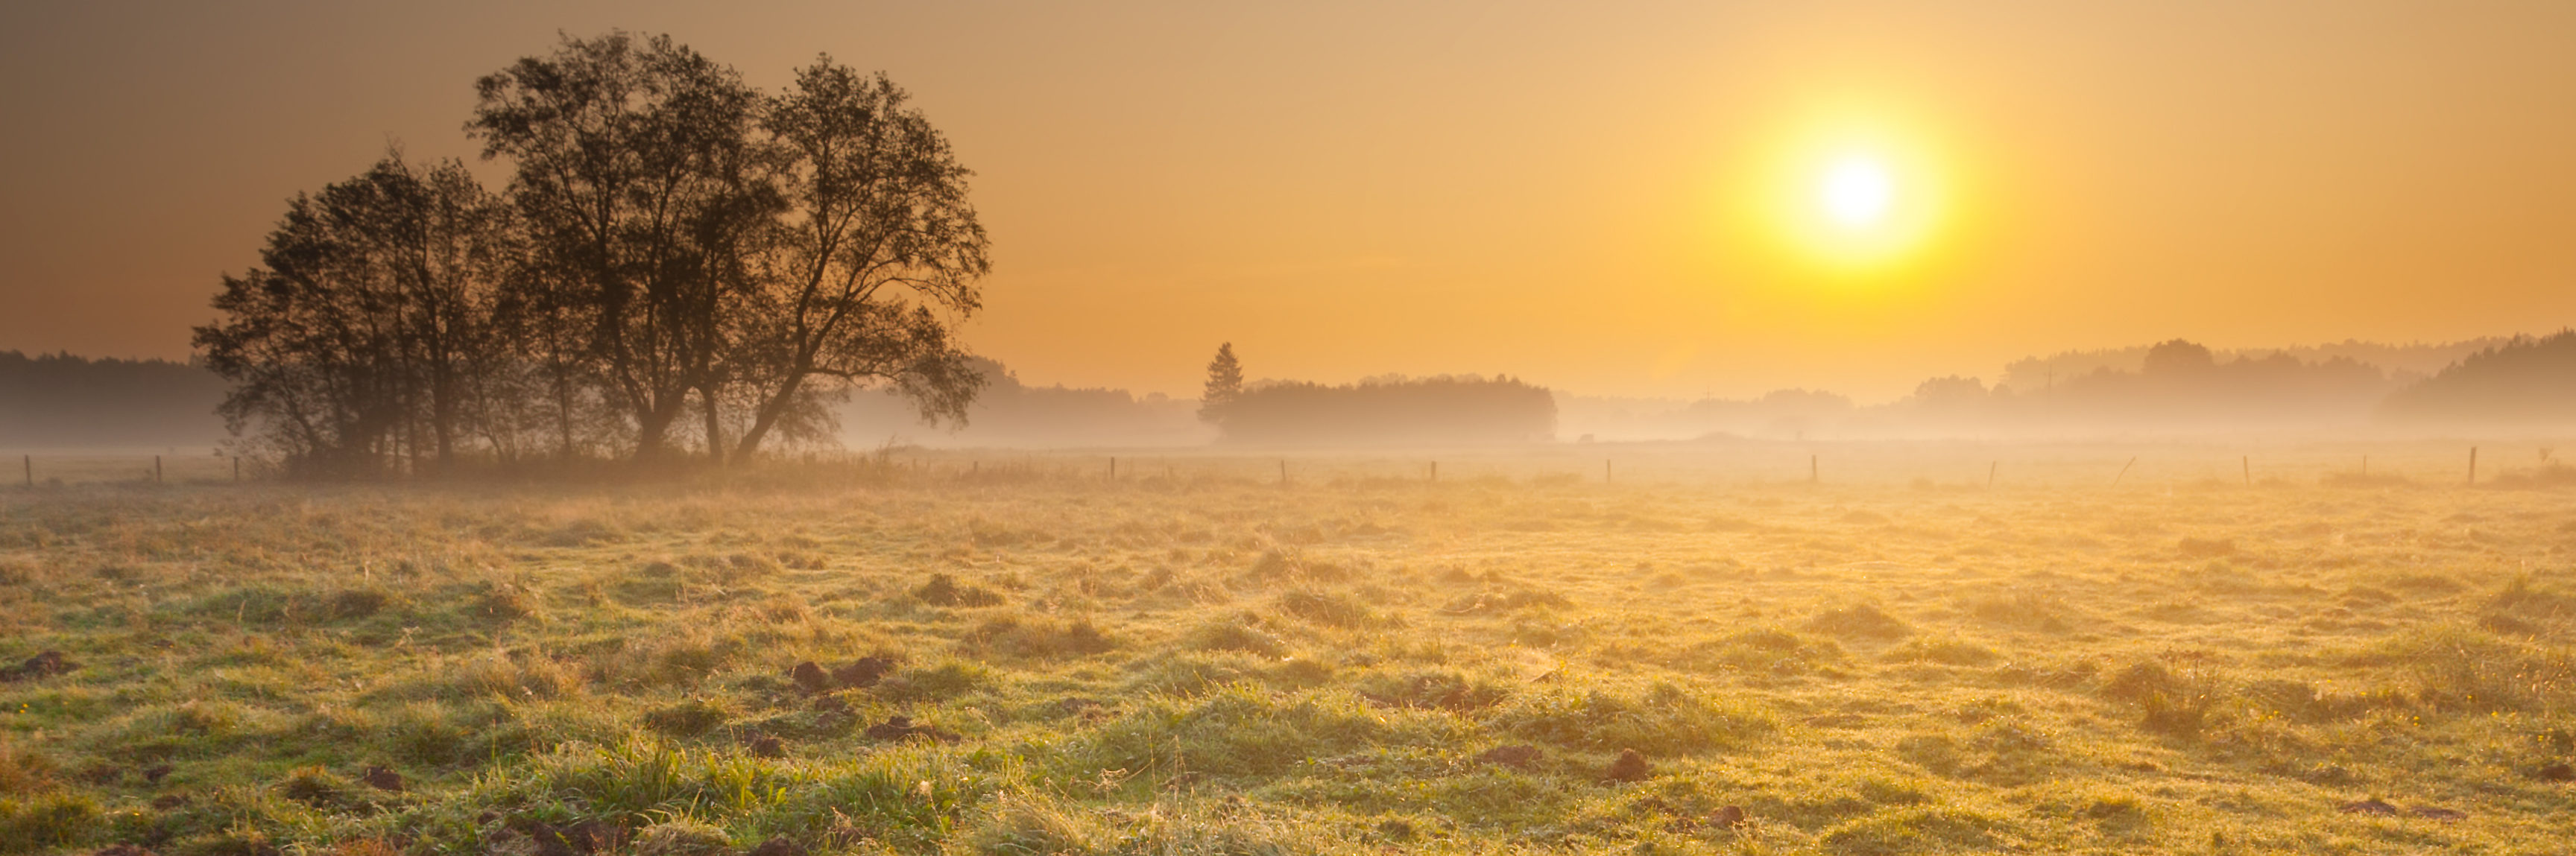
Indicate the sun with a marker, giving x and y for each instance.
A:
(1856, 192)
(1848, 195)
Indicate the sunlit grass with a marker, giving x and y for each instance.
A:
(1218, 664)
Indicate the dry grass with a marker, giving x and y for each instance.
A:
(1212, 664)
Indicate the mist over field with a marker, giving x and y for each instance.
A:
(1140, 428)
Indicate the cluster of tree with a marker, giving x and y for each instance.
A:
(1009, 413)
(1386, 410)
(681, 266)
(54, 401)
(2402, 363)
(2525, 379)
(2178, 383)
(2175, 385)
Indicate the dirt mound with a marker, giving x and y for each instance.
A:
(864, 673)
(861, 674)
(382, 779)
(585, 838)
(901, 728)
(1515, 757)
(767, 746)
(811, 677)
(1631, 767)
(1730, 817)
(778, 846)
(44, 665)
(2556, 773)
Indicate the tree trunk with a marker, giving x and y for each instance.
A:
(770, 410)
(715, 426)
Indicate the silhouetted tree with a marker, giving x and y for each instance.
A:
(1224, 385)
(637, 181)
(877, 245)
(357, 348)
(672, 242)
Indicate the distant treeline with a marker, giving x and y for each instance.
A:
(1009, 413)
(2404, 363)
(2174, 385)
(2524, 380)
(64, 401)
(681, 267)
(1392, 410)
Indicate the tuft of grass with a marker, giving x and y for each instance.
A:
(1863, 620)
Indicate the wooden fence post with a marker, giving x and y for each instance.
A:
(2473, 465)
(1812, 476)
(156, 466)
(30, 461)
(1283, 472)
(2248, 463)
(1435, 472)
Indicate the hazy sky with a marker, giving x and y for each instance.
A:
(1572, 193)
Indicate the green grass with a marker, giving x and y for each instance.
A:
(1210, 665)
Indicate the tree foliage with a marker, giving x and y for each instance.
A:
(679, 262)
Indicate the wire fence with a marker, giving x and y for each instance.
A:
(2130, 466)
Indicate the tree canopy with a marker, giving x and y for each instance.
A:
(680, 265)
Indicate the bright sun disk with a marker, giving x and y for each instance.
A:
(1857, 192)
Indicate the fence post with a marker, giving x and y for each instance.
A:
(1283, 472)
(30, 461)
(156, 466)
(2473, 465)
(1113, 468)
(1812, 476)
(2248, 463)
(1605, 471)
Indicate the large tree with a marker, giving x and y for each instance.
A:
(360, 344)
(636, 180)
(877, 250)
(671, 242)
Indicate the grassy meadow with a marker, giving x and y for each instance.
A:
(1024, 659)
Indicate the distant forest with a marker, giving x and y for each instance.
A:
(1448, 409)
(1008, 413)
(2524, 380)
(60, 401)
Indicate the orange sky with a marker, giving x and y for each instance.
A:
(1555, 191)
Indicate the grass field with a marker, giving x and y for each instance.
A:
(1015, 659)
